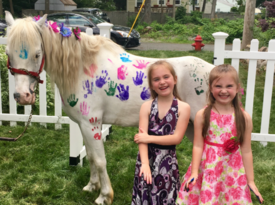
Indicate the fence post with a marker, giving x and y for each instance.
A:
(105, 29)
(89, 31)
(219, 47)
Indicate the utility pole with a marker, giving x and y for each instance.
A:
(248, 24)
(47, 6)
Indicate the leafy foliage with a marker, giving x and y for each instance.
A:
(107, 5)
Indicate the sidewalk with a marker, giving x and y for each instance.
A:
(173, 46)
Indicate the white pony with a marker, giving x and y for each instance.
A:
(98, 81)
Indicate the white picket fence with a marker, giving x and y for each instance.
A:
(77, 150)
(253, 55)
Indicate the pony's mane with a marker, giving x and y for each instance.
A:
(64, 55)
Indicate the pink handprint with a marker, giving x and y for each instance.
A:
(141, 64)
(83, 108)
(121, 72)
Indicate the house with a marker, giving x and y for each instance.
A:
(222, 5)
(56, 5)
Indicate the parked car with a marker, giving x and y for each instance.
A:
(94, 11)
(3, 27)
(84, 20)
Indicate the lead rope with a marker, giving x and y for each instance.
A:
(37, 78)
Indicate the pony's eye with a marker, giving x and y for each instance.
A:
(37, 56)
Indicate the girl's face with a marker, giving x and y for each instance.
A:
(224, 89)
(162, 81)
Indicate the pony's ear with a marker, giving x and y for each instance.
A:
(41, 21)
(8, 17)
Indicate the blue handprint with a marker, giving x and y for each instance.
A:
(139, 78)
(102, 79)
(145, 94)
(123, 94)
(86, 87)
(125, 58)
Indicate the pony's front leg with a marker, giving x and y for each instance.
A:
(96, 155)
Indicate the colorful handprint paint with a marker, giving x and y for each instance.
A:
(87, 87)
(139, 78)
(84, 108)
(112, 88)
(145, 94)
(91, 71)
(141, 64)
(125, 58)
(71, 100)
(122, 72)
(101, 80)
(123, 93)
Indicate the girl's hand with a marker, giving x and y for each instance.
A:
(141, 137)
(146, 171)
(192, 179)
(254, 189)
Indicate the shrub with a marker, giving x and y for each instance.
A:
(131, 20)
(234, 9)
(180, 13)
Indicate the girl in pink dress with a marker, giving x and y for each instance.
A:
(221, 171)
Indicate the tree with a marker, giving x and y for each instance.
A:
(214, 3)
(11, 7)
(203, 6)
(173, 11)
(120, 4)
(249, 18)
(1, 9)
(147, 12)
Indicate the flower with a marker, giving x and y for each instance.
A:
(231, 145)
(206, 196)
(242, 180)
(235, 161)
(229, 181)
(77, 32)
(235, 193)
(36, 18)
(193, 199)
(210, 155)
(64, 31)
(54, 27)
(219, 169)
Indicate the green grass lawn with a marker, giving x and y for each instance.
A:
(35, 169)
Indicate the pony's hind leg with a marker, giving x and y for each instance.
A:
(94, 183)
(96, 156)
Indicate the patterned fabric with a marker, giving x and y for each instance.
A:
(162, 161)
(222, 178)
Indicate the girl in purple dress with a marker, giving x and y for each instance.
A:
(156, 175)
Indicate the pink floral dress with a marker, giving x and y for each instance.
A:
(222, 178)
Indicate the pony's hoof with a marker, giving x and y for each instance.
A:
(104, 200)
(91, 187)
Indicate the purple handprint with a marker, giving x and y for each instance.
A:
(83, 108)
(145, 94)
(102, 79)
(123, 94)
(141, 64)
(86, 87)
(139, 78)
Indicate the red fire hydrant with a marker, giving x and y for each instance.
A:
(198, 43)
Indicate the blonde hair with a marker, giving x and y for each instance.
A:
(65, 56)
(172, 71)
(216, 73)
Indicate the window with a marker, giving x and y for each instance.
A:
(177, 1)
(57, 18)
(139, 2)
(78, 21)
(161, 1)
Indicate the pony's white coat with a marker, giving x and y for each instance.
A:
(99, 83)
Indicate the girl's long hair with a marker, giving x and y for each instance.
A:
(216, 73)
(172, 71)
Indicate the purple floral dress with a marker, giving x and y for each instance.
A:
(162, 161)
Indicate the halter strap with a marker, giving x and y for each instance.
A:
(26, 72)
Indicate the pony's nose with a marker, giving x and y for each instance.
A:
(16, 96)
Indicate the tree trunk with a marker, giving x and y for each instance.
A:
(203, 6)
(193, 5)
(213, 9)
(47, 6)
(11, 7)
(1, 8)
(161, 16)
(147, 11)
(249, 18)
(174, 11)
